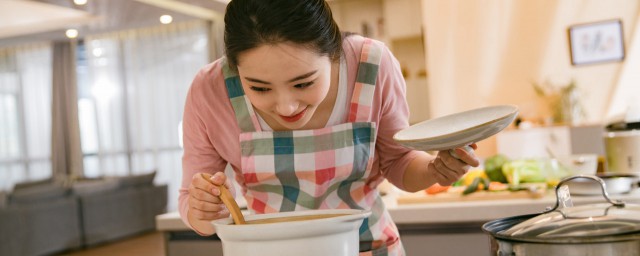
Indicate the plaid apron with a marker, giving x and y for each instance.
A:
(317, 169)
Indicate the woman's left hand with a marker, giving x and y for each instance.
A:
(447, 169)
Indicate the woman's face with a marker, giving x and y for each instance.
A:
(285, 83)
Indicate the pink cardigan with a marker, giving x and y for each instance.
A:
(210, 130)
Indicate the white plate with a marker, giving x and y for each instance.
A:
(457, 130)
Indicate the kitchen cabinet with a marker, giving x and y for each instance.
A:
(449, 239)
(561, 140)
(402, 18)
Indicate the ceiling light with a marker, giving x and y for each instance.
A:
(166, 19)
(80, 2)
(71, 33)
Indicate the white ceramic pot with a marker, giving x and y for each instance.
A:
(334, 236)
(623, 151)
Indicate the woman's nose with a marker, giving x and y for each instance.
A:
(286, 106)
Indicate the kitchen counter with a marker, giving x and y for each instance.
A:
(477, 211)
(437, 227)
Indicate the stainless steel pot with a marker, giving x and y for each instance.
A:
(611, 228)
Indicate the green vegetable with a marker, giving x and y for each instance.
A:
(493, 167)
(486, 182)
(523, 171)
(472, 187)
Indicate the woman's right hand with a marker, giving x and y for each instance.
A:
(204, 196)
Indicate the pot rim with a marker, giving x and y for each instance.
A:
(493, 228)
(349, 215)
(622, 133)
(535, 227)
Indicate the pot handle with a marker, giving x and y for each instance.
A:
(592, 177)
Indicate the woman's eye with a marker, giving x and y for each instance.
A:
(304, 85)
(259, 89)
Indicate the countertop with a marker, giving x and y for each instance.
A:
(449, 212)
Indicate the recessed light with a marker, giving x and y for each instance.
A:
(166, 19)
(71, 33)
(80, 2)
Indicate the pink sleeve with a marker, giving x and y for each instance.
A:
(199, 155)
(393, 117)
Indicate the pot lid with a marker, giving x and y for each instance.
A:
(565, 221)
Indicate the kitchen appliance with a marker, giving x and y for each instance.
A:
(622, 147)
(337, 234)
(611, 228)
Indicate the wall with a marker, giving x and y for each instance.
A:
(397, 23)
(489, 52)
(353, 15)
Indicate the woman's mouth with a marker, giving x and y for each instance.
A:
(295, 117)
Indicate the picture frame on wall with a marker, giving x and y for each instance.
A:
(596, 42)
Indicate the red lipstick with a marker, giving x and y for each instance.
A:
(295, 117)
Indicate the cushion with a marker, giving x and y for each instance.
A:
(89, 187)
(137, 180)
(38, 193)
(34, 183)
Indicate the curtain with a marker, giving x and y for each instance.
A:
(25, 108)
(66, 156)
(132, 87)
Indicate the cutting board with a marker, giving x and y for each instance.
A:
(456, 196)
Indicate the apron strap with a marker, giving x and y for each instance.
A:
(362, 99)
(246, 117)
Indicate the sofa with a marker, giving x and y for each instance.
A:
(128, 208)
(38, 220)
(48, 217)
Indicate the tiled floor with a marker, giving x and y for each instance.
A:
(150, 244)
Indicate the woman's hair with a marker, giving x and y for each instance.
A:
(253, 23)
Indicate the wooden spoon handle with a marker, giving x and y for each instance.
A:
(229, 201)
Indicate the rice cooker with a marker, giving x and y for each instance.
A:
(622, 147)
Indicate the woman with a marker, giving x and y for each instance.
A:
(305, 117)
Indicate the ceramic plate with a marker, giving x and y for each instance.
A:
(457, 130)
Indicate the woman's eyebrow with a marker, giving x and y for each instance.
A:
(300, 77)
(256, 80)
(303, 76)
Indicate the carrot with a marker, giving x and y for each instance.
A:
(497, 186)
(436, 188)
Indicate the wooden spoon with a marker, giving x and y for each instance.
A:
(229, 201)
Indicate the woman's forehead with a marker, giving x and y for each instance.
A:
(280, 61)
(285, 51)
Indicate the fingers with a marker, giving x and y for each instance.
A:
(204, 201)
(467, 157)
(447, 169)
(209, 215)
(441, 173)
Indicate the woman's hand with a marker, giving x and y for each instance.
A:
(204, 197)
(447, 169)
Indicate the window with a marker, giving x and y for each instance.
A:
(25, 114)
(132, 87)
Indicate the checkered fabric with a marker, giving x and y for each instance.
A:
(317, 169)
